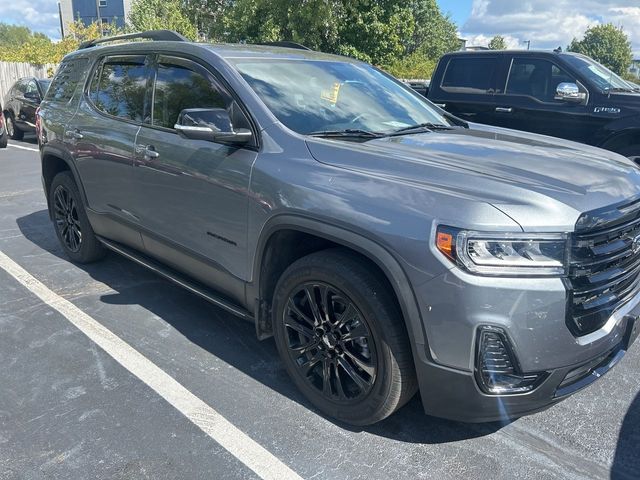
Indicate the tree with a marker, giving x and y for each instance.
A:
(433, 34)
(161, 15)
(498, 43)
(608, 45)
(12, 36)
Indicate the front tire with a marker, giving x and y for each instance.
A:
(14, 132)
(70, 221)
(342, 338)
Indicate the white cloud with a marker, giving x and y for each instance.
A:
(38, 15)
(548, 23)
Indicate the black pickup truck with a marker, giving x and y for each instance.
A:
(559, 94)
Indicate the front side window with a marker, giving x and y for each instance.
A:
(536, 78)
(182, 85)
(469, 74)
(31, 87)
(319, 95)
(118, 87)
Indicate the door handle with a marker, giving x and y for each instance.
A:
(148, 151)
(74, 134)
(504, 109)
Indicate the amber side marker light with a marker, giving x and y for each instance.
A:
(446, 241)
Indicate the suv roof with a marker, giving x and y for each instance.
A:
(511, 52)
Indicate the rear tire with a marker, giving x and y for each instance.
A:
(342, 337)
(12, 130)
(70, 221)
(4, 139)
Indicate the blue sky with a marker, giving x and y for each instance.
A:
(547, 23)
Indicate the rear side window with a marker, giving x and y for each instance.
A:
(118, 87)
(469, 75)
(181, 84)
(66, 80)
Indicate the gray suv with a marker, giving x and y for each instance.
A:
(388, 246)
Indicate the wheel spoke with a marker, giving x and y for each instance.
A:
(361, 364)
(339, 387)
(359, 331)
(345, 317)
(307, 332)
(326, 377)
(294, 308)
(353, 374)
(310, 363)
(313, 305)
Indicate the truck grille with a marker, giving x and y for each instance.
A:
(605, 265)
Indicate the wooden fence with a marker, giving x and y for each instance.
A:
(10, 72)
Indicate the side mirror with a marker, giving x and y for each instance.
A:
(35, 96)
(211, 124)
(570, 92)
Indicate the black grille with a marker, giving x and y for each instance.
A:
(605, 265)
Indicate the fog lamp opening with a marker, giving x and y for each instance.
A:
(497, 370)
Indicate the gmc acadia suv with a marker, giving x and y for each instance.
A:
(387, 245)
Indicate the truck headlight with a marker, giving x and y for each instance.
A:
(505, 254)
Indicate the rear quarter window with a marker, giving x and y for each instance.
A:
(66, 80)
(469, 75)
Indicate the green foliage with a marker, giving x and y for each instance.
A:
(38, 49)
(12, 36)
(161, 14)
(414, 65)
(608, 45)
(498, 43)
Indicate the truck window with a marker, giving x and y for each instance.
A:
(536, 78)
(469, 75)
(66, 80)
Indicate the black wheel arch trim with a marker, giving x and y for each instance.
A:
(51, 151)
(370, 249)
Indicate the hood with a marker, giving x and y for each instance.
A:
(541, 182)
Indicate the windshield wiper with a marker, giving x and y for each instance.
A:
(347, 132)
(421, 126)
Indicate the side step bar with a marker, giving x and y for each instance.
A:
(178, 278)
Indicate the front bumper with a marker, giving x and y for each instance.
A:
(454, 394)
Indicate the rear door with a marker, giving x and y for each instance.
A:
(30, 102)
(529, 103)
(102, 136)
(467, 86)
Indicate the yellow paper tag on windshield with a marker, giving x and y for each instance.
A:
(331, 95)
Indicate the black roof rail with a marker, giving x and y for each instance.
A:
(285, 43)
(156, 35)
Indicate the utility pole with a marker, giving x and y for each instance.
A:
(98, 15)
(528, 42)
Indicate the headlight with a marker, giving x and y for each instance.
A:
(506, 254)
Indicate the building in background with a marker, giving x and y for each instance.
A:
(89, 11)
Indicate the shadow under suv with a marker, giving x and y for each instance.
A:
(386, 245)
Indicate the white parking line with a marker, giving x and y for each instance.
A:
(31, 149)
(249, 452)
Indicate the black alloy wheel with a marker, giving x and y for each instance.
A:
(329, 341)
(67, 219)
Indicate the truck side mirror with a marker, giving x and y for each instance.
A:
(570, 92)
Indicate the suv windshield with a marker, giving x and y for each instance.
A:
(310, 96)
(598, 75)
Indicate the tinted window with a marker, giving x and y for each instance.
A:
(118, 87)
(20, 87)
(31, 87)
(470, 75)
(181, 86)
(66, 80)
(535, 77)
(44, 85)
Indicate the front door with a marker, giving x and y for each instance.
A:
(192, 194)
(529, 102)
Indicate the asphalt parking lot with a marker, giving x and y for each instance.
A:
(70, 409)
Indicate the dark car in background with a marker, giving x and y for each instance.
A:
(20, 105)
(564, 95)
(3, 131)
